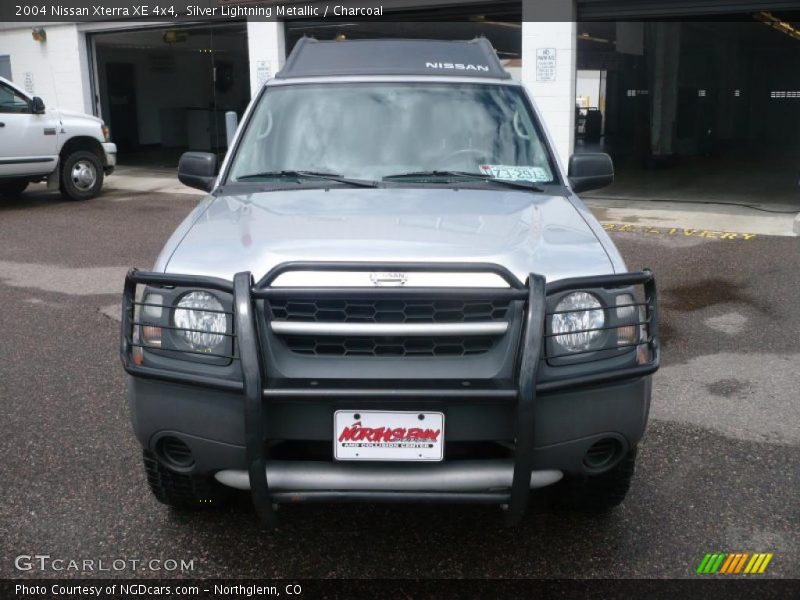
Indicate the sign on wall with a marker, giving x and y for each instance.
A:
(545, 64)
(27, 82)
(262, 73)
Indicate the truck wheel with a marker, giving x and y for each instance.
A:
(12, 187)
(599, 493)
(81, 176)
(181, 491)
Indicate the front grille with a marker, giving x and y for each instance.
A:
(388, 311)
(390, 346)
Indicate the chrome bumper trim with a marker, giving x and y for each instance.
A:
(388, 329)
(456, 476)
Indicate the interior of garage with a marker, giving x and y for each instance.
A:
(166, 90)
(698, 111)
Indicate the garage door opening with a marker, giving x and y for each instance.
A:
(699, 111)
(164, 91)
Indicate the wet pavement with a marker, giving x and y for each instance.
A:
(718, 470)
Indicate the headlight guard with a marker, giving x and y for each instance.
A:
(592, 324)
(185, 324)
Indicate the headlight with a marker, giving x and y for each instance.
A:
(106, 132)
(589, 315)
(202, 314)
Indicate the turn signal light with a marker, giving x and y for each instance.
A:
(137, 355)
(626, 336)
(151, 335)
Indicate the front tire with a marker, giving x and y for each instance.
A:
(182, 491)
(81, 176)
(12, 188)
(601, 493)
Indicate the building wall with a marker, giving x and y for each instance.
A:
(553, 90)
(55, 69)
(267, 48)
(554, 97)
(59, 67)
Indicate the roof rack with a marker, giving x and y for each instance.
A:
(315, 58)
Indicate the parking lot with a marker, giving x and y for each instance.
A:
(718, 470)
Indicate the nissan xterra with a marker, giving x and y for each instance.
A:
(390, 293)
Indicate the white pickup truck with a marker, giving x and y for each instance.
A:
(71, 151)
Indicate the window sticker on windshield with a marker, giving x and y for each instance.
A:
(515, 172)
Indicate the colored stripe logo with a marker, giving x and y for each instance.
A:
(734, 563)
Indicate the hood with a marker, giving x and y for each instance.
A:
(71, 114)
(522, 231)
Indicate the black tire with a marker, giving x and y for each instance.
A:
(181, 491)
(12, 187)
(600, 493)
(81, 176)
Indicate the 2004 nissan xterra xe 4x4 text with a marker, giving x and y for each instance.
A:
(391, 293)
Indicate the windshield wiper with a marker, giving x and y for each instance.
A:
(519, 183)
(311, 175)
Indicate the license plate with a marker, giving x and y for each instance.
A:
(388, 435)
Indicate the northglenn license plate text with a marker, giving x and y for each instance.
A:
(388, 435)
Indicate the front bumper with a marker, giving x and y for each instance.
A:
(210, 422)
(229, 424)
(110, 157)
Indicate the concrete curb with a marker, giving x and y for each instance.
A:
(797, 224)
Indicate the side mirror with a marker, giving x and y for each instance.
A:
(37, 105)
(198, 170)
(590, 171)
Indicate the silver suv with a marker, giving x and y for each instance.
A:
(391, 293)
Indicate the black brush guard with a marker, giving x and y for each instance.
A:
(248, 351)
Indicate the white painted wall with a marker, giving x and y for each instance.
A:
(267, 48)
(57, 67)
(555, 99)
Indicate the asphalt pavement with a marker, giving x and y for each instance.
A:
(718, 470)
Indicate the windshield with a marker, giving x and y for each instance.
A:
(371, 131)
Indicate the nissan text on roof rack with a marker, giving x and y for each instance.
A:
(71, 151)
(390, 293)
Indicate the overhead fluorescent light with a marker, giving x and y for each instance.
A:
(772, 21)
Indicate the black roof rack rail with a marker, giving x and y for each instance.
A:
(465, 58)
